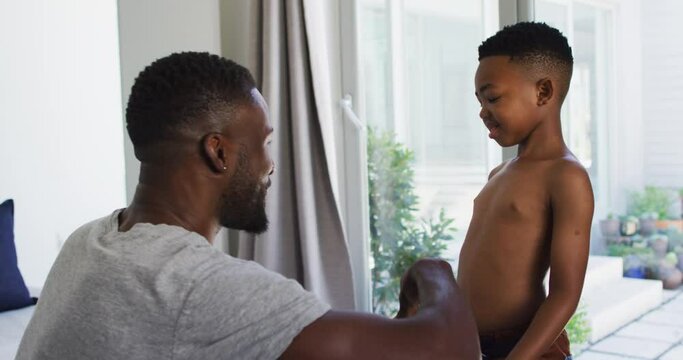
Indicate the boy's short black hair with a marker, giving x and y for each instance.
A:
(535, 45)
(179, 90)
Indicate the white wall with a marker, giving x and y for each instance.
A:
(663, 92)
(152, 29)
(61, 139)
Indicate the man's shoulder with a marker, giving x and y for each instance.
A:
(90, 229)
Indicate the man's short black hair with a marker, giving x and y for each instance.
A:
(537, 46)
(177, 92)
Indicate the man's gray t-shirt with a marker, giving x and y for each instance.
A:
(161, 292)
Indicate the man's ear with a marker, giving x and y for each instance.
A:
(544, 91)
(215, 149)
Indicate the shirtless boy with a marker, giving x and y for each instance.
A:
(535, 212)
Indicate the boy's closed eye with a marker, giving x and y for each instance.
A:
(488, 97)
(492, 99)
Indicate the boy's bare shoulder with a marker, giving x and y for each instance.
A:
(497, 169)
(568, 175)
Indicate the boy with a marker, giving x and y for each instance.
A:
(535, 212)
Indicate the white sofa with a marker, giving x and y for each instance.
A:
(12, 326)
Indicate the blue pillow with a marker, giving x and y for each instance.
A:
(13, 291)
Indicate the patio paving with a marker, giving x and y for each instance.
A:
(657, 334)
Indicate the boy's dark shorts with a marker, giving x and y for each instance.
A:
(498, 344)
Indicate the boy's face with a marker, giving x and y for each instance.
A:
(508, 98)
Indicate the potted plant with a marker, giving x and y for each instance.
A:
(660, 245)
(668, 273)
(634, 267)
(651, 199)
(648, 223)
(678, 250)
(609, 227)
(639, 260)
(629, 225)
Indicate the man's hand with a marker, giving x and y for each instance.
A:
(438, 324)
(415, 277)
(408, 298)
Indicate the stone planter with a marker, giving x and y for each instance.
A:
(609, 228)
(648, 226)
(660, 245)
(671, 277)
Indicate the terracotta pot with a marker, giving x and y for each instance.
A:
(670, 224)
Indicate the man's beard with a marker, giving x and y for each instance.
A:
(244, 204)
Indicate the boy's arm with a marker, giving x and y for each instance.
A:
(571, 199)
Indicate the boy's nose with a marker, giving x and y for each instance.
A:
(483, 113)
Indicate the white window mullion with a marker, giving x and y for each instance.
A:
(398, 99)
(355, 177)
(603, 117)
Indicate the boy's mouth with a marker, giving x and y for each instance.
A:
(494, 128)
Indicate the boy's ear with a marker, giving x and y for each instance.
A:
(544, 91)
(215, 148)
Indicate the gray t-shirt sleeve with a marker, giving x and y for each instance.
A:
(243, 311)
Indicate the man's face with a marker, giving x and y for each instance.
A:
(508, 98)
(244, 200)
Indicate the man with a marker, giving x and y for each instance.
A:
(145, 283)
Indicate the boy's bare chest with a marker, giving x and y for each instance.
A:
(513, 195)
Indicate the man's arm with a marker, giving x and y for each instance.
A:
(572, 214)
(442, 328)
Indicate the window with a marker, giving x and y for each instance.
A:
(417, 63)
(587, 111)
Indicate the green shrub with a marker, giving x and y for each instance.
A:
(651, 200)
(578, 329)
(625, 250)
(397, 238)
